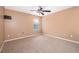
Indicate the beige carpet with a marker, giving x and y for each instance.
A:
(40, 44)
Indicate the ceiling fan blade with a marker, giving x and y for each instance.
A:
(42, 13)
(46, 11)
(33, 10)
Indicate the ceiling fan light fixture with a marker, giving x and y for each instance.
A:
(41, 10)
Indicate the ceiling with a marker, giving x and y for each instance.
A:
(26, 9)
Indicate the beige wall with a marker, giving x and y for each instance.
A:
(40, 24)
(20, 25)
(63, 24)
(1, 25)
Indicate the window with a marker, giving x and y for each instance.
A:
(36, 24)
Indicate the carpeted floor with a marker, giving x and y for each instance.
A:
(40, 44)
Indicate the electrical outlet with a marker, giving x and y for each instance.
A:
(55, 33)
(8, 35)
(64, 34)
(70, 35)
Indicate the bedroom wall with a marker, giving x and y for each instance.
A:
(40, 24)
(1, 25)
(63, 24)
(21, 24)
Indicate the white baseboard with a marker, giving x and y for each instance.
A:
(2, 47)
(76, 42)
(18, 38)
(13, 40)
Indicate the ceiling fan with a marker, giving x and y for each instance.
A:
(41, 10)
